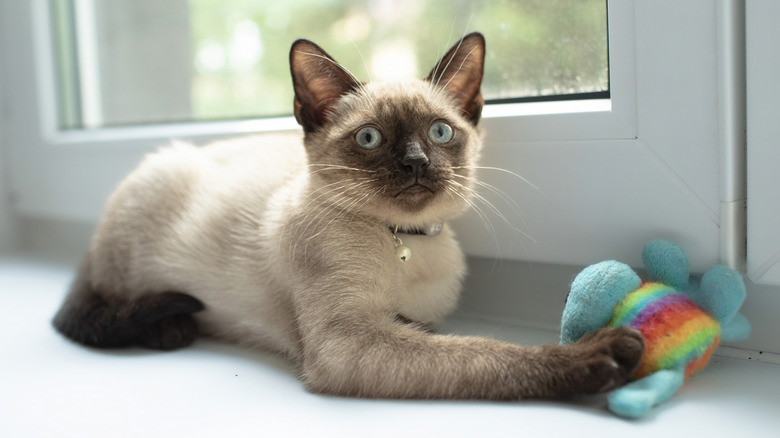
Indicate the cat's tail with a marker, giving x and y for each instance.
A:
(160, 320)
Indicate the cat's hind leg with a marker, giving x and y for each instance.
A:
(161, 320)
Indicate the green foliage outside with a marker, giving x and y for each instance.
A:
(535, 47)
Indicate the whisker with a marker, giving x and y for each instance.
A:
(326, 166)
(337, 201)
(308, 220)
(362, 59)
(456, 50)
(367, 199)
(465, 58)
(509, 172)
(498, 213)
(360, 85)
(495, 211)
(441, 58)
(482, 216)
(345, 210)
(344, 205)
(331, 199)
(336, 194)
(477, 209)
(334, 203)
(341, 67)
(331, 189)
(500, 193)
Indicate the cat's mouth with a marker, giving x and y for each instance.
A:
(415, 191)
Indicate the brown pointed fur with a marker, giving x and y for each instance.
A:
(287, 248)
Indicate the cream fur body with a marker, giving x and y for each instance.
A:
(284, 243)
(215, 222)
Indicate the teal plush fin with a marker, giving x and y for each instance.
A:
(736, 330)
(666, 263)
(635, 399)
(594, 293)
(722, 292)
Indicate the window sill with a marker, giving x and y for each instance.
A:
(496, 117)
(192, 130)
(212, 389)
(546, 108)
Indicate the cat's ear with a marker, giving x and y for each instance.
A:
(318, 81)
(460, 73)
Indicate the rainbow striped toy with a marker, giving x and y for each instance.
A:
(682, 321)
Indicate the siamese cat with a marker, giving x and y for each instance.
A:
(335, 253)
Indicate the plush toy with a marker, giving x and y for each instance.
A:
(682, 321)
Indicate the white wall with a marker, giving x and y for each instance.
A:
(8, 231)
(8, 234)
(763, 92)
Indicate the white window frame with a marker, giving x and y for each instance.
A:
(586, 119)
(590, 119)
(763, 65)
(67, 175)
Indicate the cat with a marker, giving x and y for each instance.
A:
(335, 253)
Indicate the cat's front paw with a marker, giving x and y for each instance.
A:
(607, 358)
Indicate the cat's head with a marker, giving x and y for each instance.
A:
(403, 151)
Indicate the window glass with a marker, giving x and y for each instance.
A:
(126, 62)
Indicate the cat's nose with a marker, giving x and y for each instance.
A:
(415, 159)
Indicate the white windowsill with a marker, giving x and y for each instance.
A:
(173, 130)
(546, 108)
(52, 387)
(288, 123)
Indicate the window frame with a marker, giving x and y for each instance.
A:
(763, 258)
(43, 155)
(68, 175)
(611, 118)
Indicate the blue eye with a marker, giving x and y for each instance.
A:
(440, 132)
(368, 137)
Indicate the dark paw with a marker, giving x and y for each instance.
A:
(164, 321)
(171, 333)
(608, 358)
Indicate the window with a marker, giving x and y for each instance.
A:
(58, 169)
(125, 62)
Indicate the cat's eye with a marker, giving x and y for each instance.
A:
(440, 132)
(368, 137)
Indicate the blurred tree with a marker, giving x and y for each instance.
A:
(239, 61)
(535, 47)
